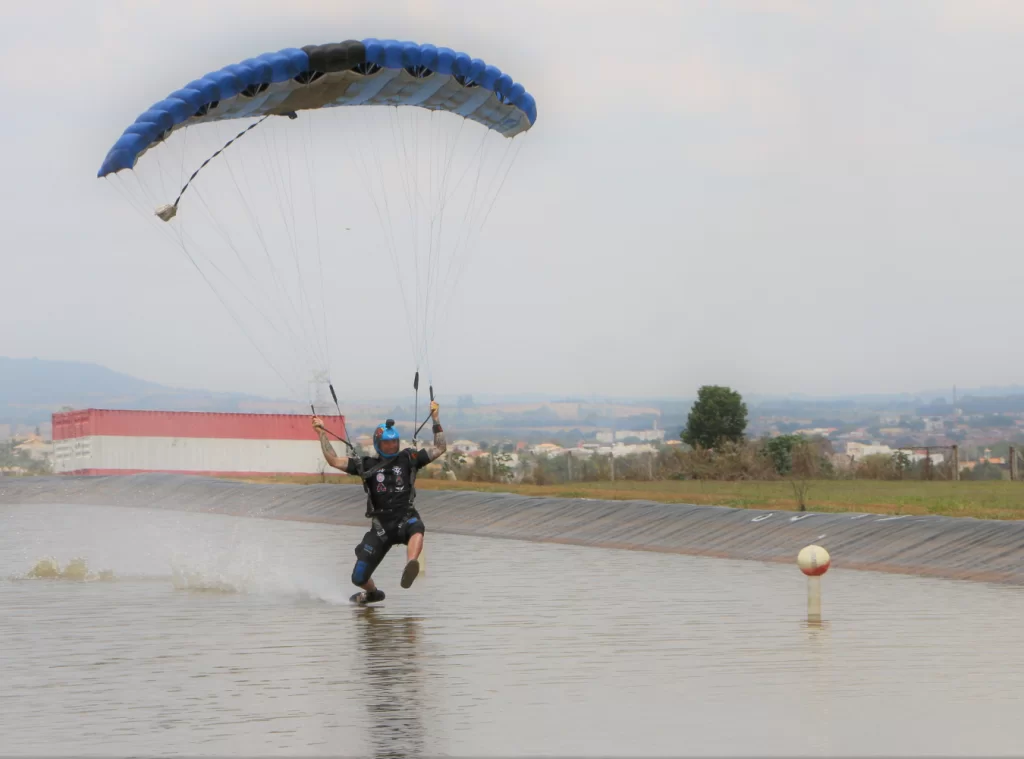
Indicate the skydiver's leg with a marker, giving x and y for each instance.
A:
(414, 547)
(369, 554)
(412, 536)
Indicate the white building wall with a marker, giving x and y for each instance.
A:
(189, 455)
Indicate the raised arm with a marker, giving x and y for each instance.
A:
(338, 462)
(440, 445)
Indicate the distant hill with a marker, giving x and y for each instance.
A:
(32, 389)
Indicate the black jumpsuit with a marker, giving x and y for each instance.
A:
(395, 519)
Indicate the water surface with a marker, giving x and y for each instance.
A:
(226, 636)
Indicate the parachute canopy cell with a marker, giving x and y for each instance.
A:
(371, 72)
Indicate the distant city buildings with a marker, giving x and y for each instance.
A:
(860, 451)
(651, 435)
(580, 430)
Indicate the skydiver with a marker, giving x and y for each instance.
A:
(389, 481)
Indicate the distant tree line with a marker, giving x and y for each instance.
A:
(714, 446)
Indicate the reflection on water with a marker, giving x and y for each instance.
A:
(218, 636)
(390, 656)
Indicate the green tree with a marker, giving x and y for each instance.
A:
(780, 451)
(719, 415)
(901, 463)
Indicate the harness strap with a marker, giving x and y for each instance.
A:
(371, 510)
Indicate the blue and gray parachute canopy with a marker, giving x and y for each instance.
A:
(266, 172)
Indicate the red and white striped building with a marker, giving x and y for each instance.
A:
(101, 442)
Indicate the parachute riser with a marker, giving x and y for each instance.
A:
(334, 395)
(416, 434)
(416, 407)
(334, 434)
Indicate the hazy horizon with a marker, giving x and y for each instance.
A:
(46, 382)
(787, 198)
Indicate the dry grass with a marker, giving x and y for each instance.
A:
(981, 500)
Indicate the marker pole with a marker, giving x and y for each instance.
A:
(813, 561)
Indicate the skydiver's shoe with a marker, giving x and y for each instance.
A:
(368, 596)
(411, 570)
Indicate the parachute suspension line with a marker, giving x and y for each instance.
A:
(234, 317)
(439, 292)
(161, 173)
(428, 205)
(184, 247)
(479, 229)
(490, 207)
(425, 204)
(184, 148)
(443, 199)
(466, 216)
(158, 197)
(289, 193)
(248, 211)
(359, 160)
(291, 339)
(469, 165)
(319, 257)
(374, 159)
(167, 212)
(238, 322)
(323, 358)
(311, 357)
(436, 221)
(118, 183)
(304, 295)
(145, 214)
(414, 198)
(434, 250)
(403, 176)
(427, 216)
(473, 228)
(419, 202)
(344, 429)
(254, 219)
(295, 341)
(444, 196)
(478, 233)
(276, 175)
(389, 236)
(151, 198)
(431, 221)
(411, 199)
(451, 145)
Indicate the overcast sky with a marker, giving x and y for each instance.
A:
(783, 197)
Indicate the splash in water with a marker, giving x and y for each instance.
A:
(49, 569)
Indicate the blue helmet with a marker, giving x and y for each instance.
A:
(385, 433)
